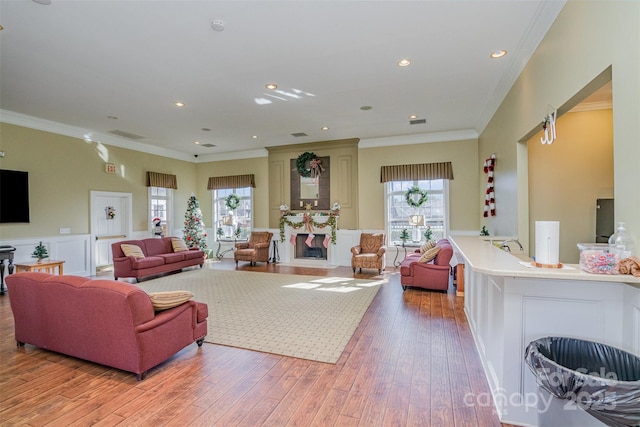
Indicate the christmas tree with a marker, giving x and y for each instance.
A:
(194, 233)
(40, 252)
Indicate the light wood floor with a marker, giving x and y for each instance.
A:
(411, 362)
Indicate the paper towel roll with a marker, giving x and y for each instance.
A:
(547, 242)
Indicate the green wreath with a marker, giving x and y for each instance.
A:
(232, 201)
(408, 196)
(301, 162)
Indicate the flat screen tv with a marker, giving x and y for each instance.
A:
(14, 196)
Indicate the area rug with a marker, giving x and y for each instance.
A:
(308, 317)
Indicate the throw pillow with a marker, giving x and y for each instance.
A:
(132, 250)
(430, 255)
(178, 244)
(428, 245)
(166, 300)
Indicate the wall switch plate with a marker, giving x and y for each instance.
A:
(65, 230)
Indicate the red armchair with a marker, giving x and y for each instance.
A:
(428, 275)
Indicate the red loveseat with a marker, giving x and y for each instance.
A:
(428, 275)
(103, 321)
(159, 257)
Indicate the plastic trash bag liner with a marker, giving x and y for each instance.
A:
(602, 380)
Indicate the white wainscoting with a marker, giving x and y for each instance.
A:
(74, 249)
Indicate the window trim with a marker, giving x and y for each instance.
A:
(446, 214)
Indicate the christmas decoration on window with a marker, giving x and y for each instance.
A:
(110, 211)
(195, 235)
(309, 165)
(490, 196)
(232, 201)
(404, 235)
(40, 252)
(549, 128)
(415, 196)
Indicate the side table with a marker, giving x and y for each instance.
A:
(220, 254)
(6, 253)
(48, 266)
(403, 245)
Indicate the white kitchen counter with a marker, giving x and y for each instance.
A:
(508, 305)
(484, 257)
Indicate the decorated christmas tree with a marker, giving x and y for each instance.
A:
(194, 233)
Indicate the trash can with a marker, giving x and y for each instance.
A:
(602, 380)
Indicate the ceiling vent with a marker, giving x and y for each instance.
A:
(127, 135)
(208, 145)
(299, 134)
(418, 122)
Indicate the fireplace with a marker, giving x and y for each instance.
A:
(314, 250)
(295, 251)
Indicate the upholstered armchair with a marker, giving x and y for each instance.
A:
(370, 253)
(256, 249)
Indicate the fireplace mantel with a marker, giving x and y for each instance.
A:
(287, 250)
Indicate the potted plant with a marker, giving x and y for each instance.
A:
(40, 252)
(404, 235)
(428, 233)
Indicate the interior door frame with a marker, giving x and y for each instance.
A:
(94, 211)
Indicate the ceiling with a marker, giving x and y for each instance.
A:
(91, 68)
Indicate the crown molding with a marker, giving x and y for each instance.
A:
(592, 106)
(419, 138)
(31, 122)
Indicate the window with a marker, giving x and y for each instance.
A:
(160, 203)
(435, 210)
(238, 222)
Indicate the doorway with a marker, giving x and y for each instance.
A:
(111, 221)
(563, 180)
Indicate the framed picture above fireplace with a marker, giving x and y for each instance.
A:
(313, 191)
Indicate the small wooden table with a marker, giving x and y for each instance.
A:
(46, 266)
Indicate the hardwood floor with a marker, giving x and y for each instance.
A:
(411, 362)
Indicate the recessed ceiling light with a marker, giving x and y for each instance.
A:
(271, 86)
(254, 136)
(179, 104)
(498, 54)
(196, 142)
(217, 25)
(404, 62)
(325, 128)
(413, 116)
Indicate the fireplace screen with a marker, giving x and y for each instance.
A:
(313, 250)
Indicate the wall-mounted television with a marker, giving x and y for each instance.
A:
(14, 196)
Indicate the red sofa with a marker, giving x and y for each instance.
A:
(102, 321)
(428, 275)
(159, 257)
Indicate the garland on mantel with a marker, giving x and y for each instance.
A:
(308, 222)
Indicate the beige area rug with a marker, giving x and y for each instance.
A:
(308, 317)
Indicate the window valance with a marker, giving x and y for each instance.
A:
(164, 180)
(233, 181)
(416, 172)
